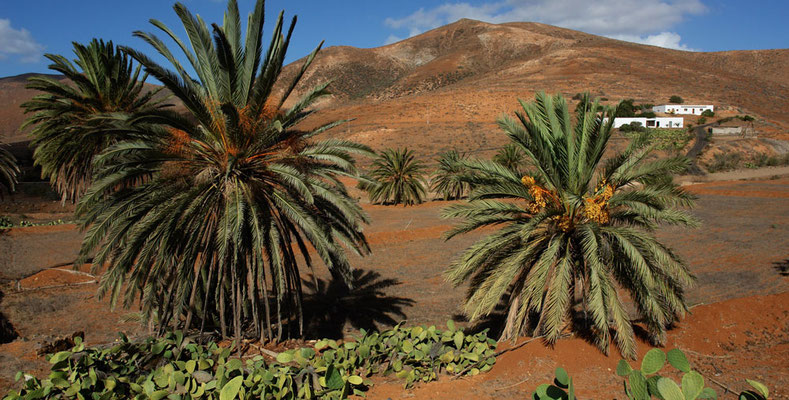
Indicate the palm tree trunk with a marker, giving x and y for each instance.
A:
(262, 284)
(237, 307)
(222, 322)
(192, 296)
(252, 294)
(207, 295)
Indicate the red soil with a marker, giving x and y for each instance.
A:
(55, 277)
(726, 341)
(739, 256)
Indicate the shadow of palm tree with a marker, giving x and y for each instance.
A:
(7, 331)
(782, 267)
(330, 306)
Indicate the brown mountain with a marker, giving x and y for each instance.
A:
(446, 87)
(12, 95)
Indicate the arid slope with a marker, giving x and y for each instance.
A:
(446, 87)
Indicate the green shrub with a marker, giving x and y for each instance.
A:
(646, 383)
(176, 367)
(6, 223)
(634, 126)
(676, 99)
(773, 161)
(626, 109)
(662, 138)
(647, 114)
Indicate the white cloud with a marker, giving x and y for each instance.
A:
(18, 42)
(669, 40)
(645, 20)
(392, 39)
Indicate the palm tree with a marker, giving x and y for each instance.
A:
(8, 171)
(398, 178)
(574, 232)
(511, 157)
(76, 119)
(445, 181)
(226, 202)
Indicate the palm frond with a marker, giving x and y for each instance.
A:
(567, 243)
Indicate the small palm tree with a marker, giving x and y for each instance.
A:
(76, 119)
(446, 180)
(9, 171)
(398, 178)
(574, 234)
(510, 157)
(210, 216)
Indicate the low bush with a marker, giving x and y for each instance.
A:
(176, 367)
(764, 160)
(663, 138)
(632, 127)
(724, 162)
(646, 383)
(647, 114)
(6, 223)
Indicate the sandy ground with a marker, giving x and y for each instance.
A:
(740, 256)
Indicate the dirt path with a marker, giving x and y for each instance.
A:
(695, 150)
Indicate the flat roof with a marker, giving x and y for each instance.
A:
(688, 105)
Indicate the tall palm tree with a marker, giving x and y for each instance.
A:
(76, 119)
(574, 232)
(398, 178)
(446, 180)
(230, 199)
(9, 171)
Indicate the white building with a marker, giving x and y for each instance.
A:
(682, 109)
(659, 122)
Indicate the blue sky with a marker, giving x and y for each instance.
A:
(30, 28)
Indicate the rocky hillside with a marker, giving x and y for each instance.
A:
(446, 87)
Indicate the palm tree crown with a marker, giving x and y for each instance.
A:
(446, 180)
(398, 178)
(573, 232)
(9, 171)
(225, 202)
(510, 157)
(75, 120)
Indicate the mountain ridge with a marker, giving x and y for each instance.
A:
(446, 87)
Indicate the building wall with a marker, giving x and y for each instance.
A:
(660, 122)
(693, 109)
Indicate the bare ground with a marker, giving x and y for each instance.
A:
(740, 256)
